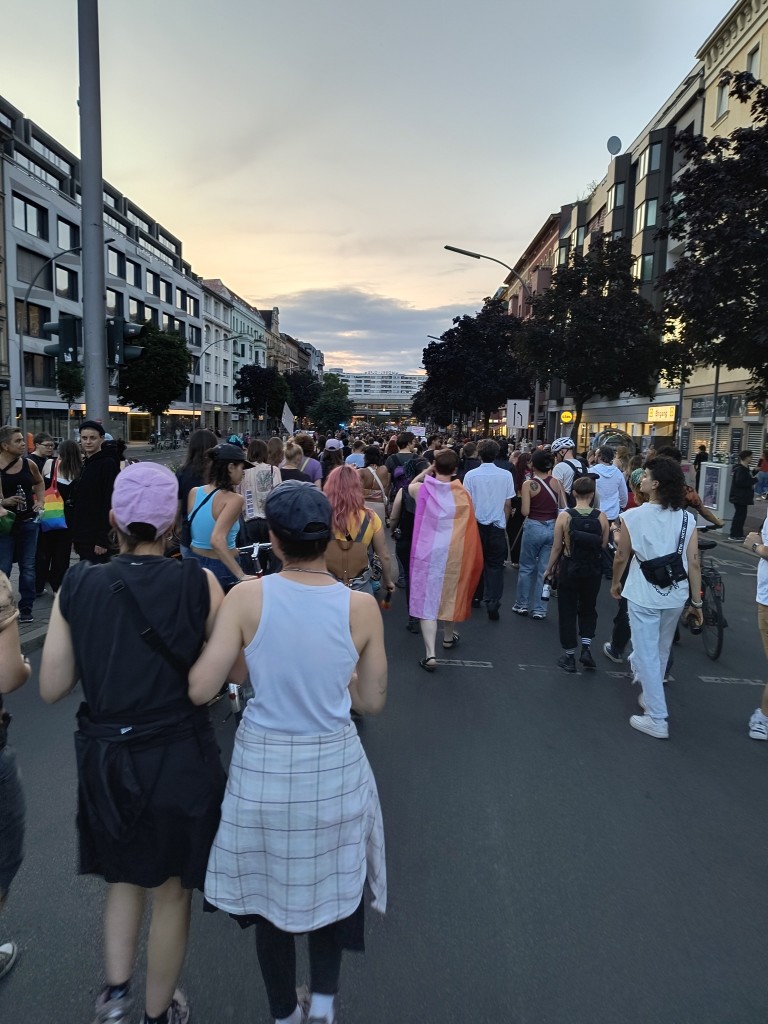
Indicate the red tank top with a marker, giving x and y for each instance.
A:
(544, 506)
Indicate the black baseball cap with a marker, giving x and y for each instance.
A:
(293, 507)
(228, 453)
(92, 425)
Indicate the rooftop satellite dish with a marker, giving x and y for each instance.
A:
(614, 145)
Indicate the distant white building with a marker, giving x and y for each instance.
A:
(377, 392)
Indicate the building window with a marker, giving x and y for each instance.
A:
(226, 393)
(39, 371)
(650, 160)
(166, 292)
(115, 263)
(151, 315)
(133, 273)
(616, 196)
(216, 365)
(38, 315)
(109, 200)
(38, 171)
(207, 391)
(651, 213)
(29, 264)
(66, 284)
(646, 267)
(207, 363)
(30, 217)
(753, 62)
(67, 235)
(153, 283)
(167, 322)
(181, 299)
(722, 101)
(193, 306)
(195, 335)
(138, 221)
(225, 367)
(638, 221)
(135, 310)
(114, 303)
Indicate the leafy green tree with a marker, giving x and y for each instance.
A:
(333, 406)
(70, 384)
(593, 330)
(305, 389)
(716, 294)
(260, 388)
(160, 376)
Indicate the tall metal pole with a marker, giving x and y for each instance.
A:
(94, 285)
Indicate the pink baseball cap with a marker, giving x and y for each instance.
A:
(145, 492)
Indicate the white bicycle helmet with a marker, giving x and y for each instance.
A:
(562, 444)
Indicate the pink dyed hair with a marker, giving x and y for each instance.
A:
(345, 493)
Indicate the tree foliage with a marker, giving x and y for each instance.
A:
(717, 292)
(260, 387)
(593, 330)
(70, 382)
(157, 379)
(304, 389)
(476, 366)
(334, 406)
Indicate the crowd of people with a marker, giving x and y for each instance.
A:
(289, 839)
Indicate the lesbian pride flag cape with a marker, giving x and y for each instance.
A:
(446, 557)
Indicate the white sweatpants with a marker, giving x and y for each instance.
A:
(653, 630)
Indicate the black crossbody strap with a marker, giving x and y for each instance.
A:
(683, 533)
(204, 502)
(139, 620)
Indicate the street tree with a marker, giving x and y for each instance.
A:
(261, 389)
(305, 389)
(593, 330)
(334, 406)
(70, 384)
(160, 376)
(716, 294)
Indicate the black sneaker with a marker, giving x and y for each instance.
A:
(567, 663)
(493, 612)
(25, 615)
(413, 626)
(586, 658)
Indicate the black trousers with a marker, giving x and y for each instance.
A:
(737, 523)
(494, 543)
(276, 951)
(577, 604)
(403, 552)
(621, 628)
(52, 558)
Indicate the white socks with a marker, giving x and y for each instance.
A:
(321, 1006)
(295, 1018)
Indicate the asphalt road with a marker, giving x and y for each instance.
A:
(547, 863)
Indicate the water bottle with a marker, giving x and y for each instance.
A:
(21, 504)
(546, 590)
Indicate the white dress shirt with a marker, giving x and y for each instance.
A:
(489, 487)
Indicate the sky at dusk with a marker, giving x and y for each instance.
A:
(317, 157)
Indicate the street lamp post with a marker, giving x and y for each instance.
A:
(25, 325)
(196, 368)
(529, 294)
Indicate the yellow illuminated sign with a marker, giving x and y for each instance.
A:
(661, 413)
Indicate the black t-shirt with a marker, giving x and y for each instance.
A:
(120, 673)
(398, 459)
(294, 474)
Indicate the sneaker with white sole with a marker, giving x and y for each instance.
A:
(758, 727)
(8, 953)
(611, 655)
(519, 609)
(113, 1011)
(650, 726)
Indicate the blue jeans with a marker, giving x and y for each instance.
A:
(219, 570)
(534, 555)
(761, 485)
(20, 545)
(11, 819)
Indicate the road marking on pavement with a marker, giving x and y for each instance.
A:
(727, 680)
(464, 664)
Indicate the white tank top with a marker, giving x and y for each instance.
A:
(301, 659)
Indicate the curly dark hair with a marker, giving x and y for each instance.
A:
(669, 476)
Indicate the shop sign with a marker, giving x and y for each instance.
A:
(661, 413)
(701, 406)
(566, 417)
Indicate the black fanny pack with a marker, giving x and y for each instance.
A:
(667, 571)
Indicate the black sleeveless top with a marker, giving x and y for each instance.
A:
(121, 675)
(11, 482)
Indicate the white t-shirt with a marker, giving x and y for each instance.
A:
(655, 531)
(490, 487)
(564, 471)
(762, 570)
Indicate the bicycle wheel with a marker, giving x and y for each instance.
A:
(712, 629)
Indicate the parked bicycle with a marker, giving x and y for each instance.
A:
(713, 599)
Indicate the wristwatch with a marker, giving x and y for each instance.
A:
(695, 604)
(755, 546)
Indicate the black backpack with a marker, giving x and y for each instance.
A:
(580, 469)
(585, 535)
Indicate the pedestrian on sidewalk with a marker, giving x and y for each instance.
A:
(660, 529)
(23, 492)
(742, 495)
(301, 831)
(581, 534)
(14, 672)
(150, 782)
(491, 490)
(93, 497)
(757, 543)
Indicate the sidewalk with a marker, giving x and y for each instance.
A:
(33, 633)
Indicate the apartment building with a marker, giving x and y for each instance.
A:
(378, 392)
(147, 277)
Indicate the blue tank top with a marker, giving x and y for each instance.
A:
(203, 523)
(301, 688)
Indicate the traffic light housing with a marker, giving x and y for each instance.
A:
(119, 331)
(70, 332)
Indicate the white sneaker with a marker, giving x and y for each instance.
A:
(758, 726)
(609, 652)
(650, 726)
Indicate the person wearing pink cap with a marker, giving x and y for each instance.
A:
(150, 779)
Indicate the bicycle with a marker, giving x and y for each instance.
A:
(712, 601)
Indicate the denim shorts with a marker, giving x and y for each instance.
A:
(12, 810)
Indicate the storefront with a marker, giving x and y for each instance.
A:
(739, 425)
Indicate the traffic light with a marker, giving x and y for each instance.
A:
(70, 332)
(118, 332)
